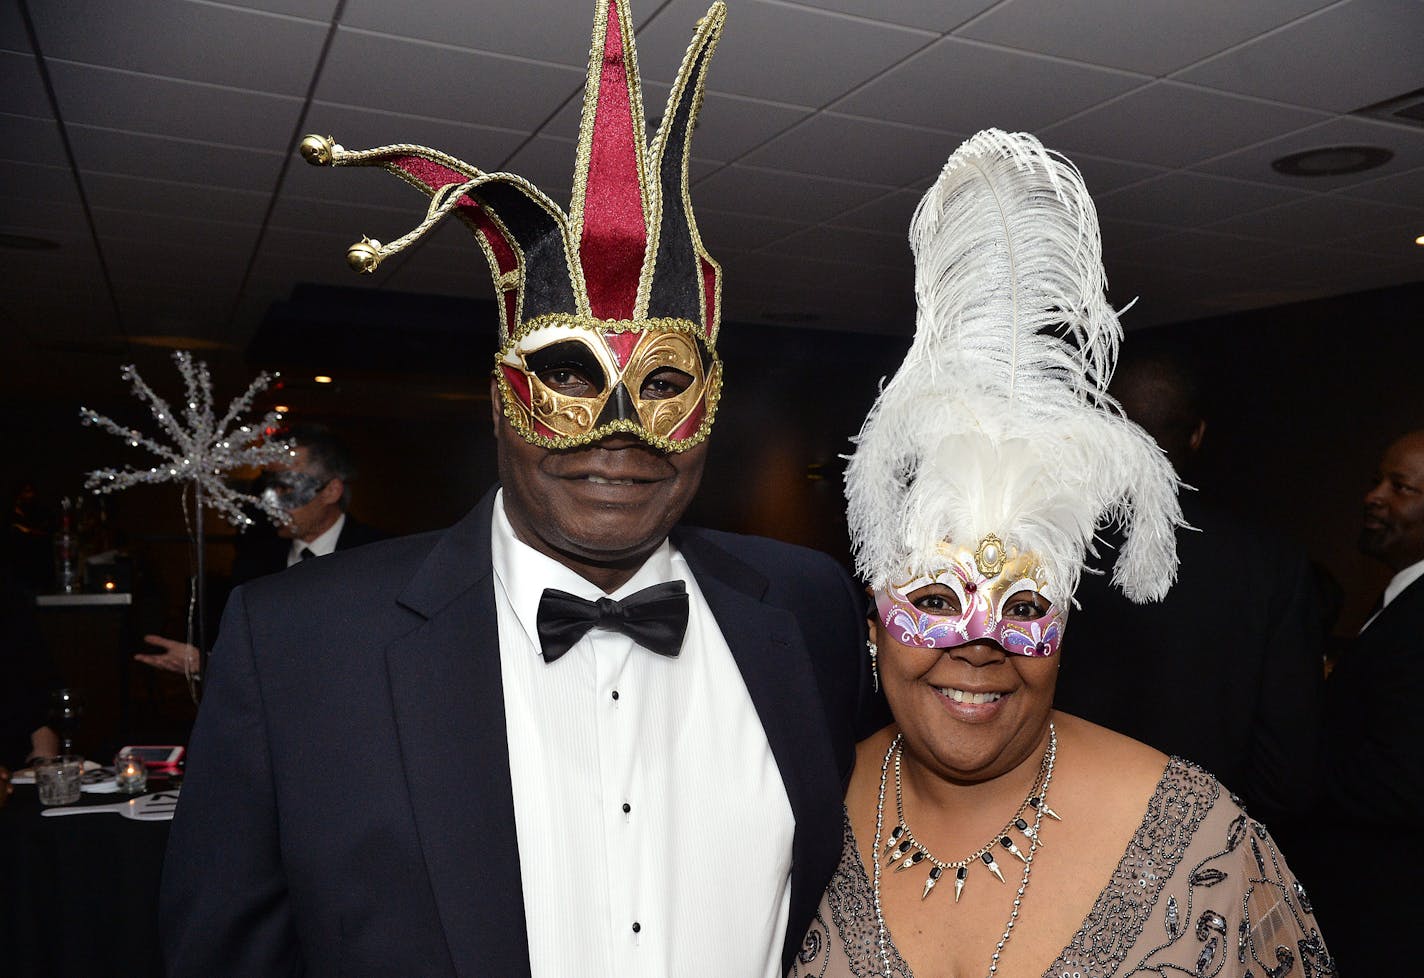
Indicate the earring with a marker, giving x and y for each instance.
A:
(874, 669)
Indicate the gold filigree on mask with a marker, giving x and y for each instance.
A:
(658, 351)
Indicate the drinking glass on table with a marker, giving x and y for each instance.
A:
(58, 779)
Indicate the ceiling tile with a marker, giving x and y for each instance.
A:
(142, 267)
(127, 228)
(838, 146)
(452, 83)
(196, 42)
(1116, 234)
(546, 162)
(320, 243)
(362, 186)
(959, 86)
(778, 51)
(773, 193)
(1191, 250)
(846, 245)
(12, 30)
(1393, 243)
(727, 127)
(74, 264)
(930, 15)
(1318, 220)
(768, 270)
(163, 107)
(724, 233)
(23, 88)
(889, 214)
(134, 154)
(1357, 53)
(1174, 125)
(1154, 37)
(283, 270)
(1103, 175)
(353, 220)
(555, 31)
(27, 140)
(1403, 189)
(1190, 200)
(45, 218)
(175, 199)
(359, 128)
(50, 183)
(310, 9)
(1255, 163)
(1304, 264)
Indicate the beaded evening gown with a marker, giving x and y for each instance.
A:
(1201, 890)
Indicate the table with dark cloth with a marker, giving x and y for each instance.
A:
(78, 894)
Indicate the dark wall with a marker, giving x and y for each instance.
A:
(1302, 400)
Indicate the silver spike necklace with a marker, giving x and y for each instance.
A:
(904, 851)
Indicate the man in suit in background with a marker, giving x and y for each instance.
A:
(1226, 670)
(314, 490)
(567, 736)
(1372, 769)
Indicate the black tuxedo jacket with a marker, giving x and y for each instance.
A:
(347, 808)
(1372, 783)
(268, 554)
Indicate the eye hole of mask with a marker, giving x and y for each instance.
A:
(568, 367)
(1025, 606)
(939, 600)
(665, 383)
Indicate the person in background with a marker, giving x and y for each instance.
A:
(1372, 771)
(567, 736)
(315, 491)
(1237, 643)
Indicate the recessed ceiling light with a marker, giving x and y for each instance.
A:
(1332, 161)
(1419, 240)
(281, 409)
(322, 379)
(25, 242)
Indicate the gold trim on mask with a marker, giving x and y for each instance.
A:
(655, 325)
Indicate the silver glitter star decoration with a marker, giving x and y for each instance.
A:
(201, 448)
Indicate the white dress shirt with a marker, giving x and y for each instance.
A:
(654, 829)
(1396, 587)
(321, 546)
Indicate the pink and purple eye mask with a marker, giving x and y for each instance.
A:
(984, 602)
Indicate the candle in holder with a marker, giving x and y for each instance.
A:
(129, 773)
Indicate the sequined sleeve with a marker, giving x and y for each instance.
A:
(1202, 890)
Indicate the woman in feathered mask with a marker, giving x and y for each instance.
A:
(981, 816)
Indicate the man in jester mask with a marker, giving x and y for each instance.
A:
(567, 736)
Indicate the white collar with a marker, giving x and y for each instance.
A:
(1402, 580)
(524, 572)
(321, 546)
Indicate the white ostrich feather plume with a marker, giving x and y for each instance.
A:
(999, 419)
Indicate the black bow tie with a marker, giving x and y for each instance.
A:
(655, 618)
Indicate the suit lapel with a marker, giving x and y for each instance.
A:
(449, 710)
(769, 650)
